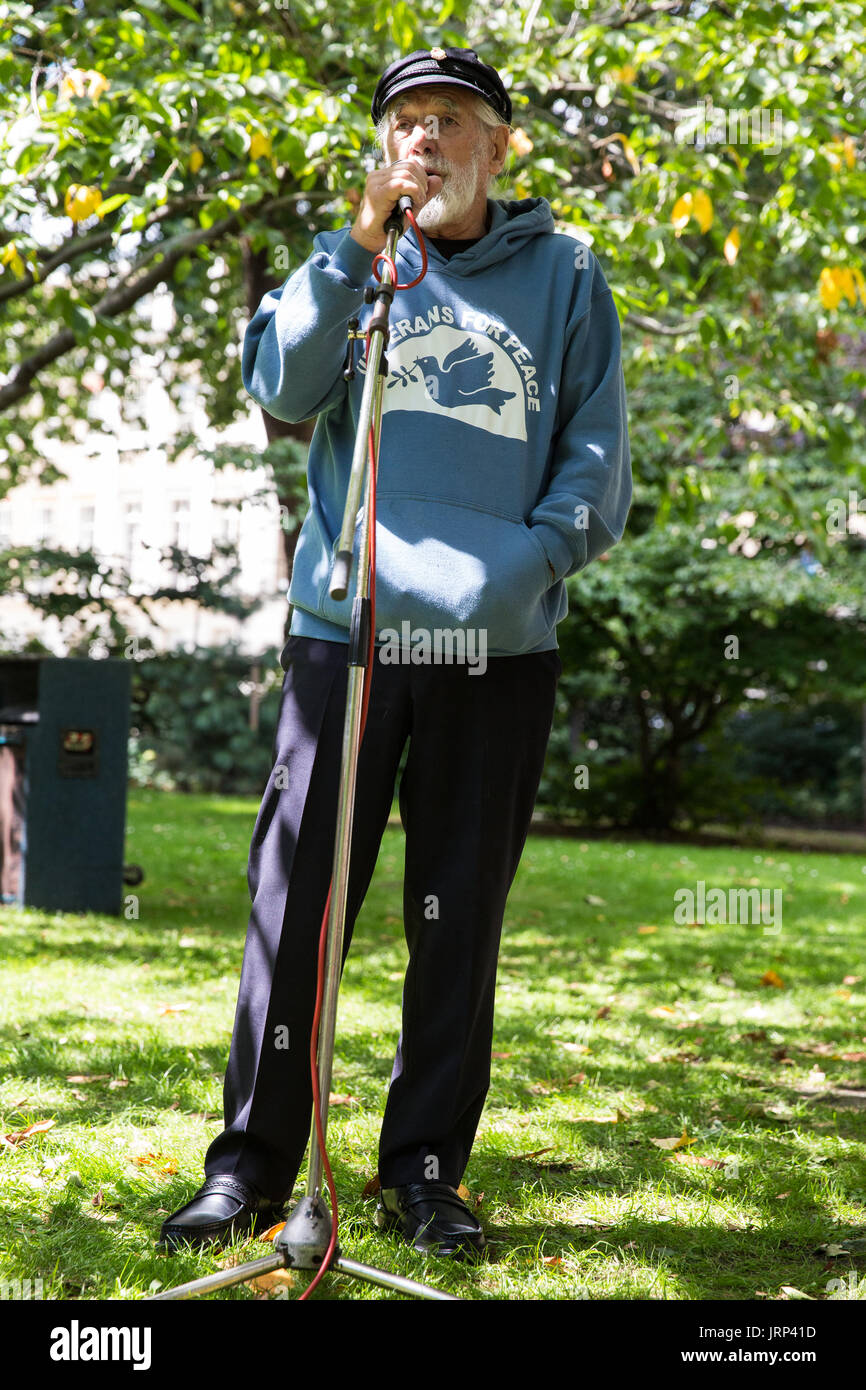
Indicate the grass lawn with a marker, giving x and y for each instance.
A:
(616, 1026)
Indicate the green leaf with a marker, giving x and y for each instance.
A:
(181, 7)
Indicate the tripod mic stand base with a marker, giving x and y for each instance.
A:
(303, 1242)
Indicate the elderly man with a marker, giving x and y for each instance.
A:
(503, 469)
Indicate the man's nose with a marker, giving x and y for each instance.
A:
(421, 137)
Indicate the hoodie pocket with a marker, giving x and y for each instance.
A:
(452, 565)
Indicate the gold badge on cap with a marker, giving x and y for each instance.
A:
(437, 53)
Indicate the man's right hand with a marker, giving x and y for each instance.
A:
(382, 190)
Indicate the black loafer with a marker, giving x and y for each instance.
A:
(223, 1207)
(433, 1219)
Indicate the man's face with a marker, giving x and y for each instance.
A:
(437, 126)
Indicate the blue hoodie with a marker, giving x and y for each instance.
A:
(504, 463)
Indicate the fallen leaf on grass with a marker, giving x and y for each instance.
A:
(500, 1056)
(646, 929)
(79, 1095)
(118, 1083)
(372, 1187)
(788, 1291)
(463, 1192)
(277, 1279)
(603, 1011)
(157, 1161)
(551, 1260)
(342, 1100)
(770, 977)
(594, 900)
(273, 1231)
(852, 1056)
(661, 1011)
(757, 1035)
(174, 1008)
(852, 979)
(82, 1080)
(833, 1251)
(20, 1136)
(205, 1114)
(697, 1159)
(674, 1143)
(726, 978)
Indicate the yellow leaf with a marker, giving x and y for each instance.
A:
(683, 1141)
(196, 159)
(99, 83)
(626, 74)
(848, 147)
(702, 208)
(646, 929)
(72, 84)
(670, 1143)
(11, 256)
(81, 201)
(845, 281)
(276, 1279)
(681, 211)
(770, 977)
(628, 150)
(828, 290)
(697, 205)
(260, 145)
(732, 245)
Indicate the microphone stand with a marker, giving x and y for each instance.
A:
(304, 1241)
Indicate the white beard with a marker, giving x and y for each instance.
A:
(455, 198)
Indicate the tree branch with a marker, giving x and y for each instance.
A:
(123, 296)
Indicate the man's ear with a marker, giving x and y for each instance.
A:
(499, 145)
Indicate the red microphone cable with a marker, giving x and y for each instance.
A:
(368, 675)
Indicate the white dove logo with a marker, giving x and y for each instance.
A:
(455, 372)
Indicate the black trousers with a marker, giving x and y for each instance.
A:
(476, 749)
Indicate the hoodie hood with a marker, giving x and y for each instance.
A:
(512, 224)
